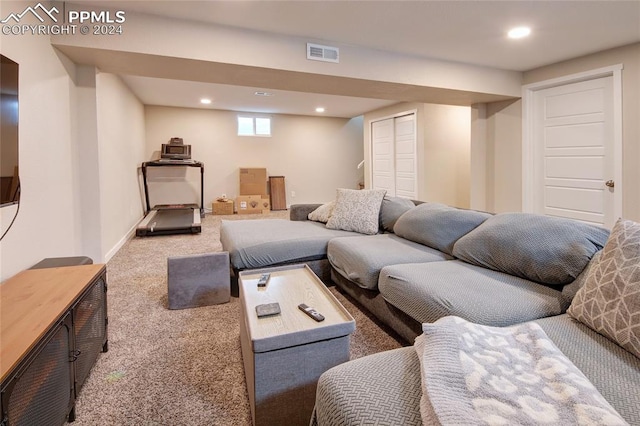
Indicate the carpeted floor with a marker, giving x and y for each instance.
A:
(179, 367)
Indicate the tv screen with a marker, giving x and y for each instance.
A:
(9, 182)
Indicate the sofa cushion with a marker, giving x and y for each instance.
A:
(614, 371)
(379, 389)
(367, 390)
(429, 291)
(357, 210)
(265, 242)
(392, 208)
(322, 213)
(549, 250)
(609, 301)
(359, 259)
(437, 225)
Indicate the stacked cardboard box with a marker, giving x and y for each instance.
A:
(222, 207)
(253, 196)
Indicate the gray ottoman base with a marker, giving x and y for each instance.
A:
(199, 280)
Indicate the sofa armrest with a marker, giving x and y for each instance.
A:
(301, 211)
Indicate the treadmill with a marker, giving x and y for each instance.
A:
(167, 219)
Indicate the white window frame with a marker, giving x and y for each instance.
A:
(254, 119)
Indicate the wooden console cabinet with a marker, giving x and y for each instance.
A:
(53, 325)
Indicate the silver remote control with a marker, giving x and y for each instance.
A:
(311, 312)
(264, 279)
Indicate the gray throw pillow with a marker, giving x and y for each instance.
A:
(609, 301)
(392, 208)
(437, 225)
(357, 210)
(545, 249)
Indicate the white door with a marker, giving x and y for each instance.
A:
(405, 137)
(574, 160)
(383, 155)
(394, 164)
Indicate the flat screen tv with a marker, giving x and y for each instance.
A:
(9, 181)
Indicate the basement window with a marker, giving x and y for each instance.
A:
(254, 126)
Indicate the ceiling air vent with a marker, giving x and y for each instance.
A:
(317, 52)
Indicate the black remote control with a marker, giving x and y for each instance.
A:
(264, 279)
(311, 312)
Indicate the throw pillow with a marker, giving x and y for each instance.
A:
(322, 213)
(392, 208)
(545, 249)
(609, 301)
(357, 210)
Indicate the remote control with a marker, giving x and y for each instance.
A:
(264, 279)
(311, 312)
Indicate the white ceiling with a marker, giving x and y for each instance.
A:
(471, 32)
(180, 93)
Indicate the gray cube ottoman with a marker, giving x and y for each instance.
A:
(198, 280)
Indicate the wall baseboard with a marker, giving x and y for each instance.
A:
(129, 235)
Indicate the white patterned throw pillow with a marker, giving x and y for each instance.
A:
(609, 301)
(322, 213)
(357, 210)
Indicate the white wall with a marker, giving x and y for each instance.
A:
(121, 142)
(316, 155)
(80, 143)
(498, 132)
(443, 150)
(447, 151)
(46, 223)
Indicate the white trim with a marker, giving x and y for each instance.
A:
(129, 235)
(415, 140)
(528, 147)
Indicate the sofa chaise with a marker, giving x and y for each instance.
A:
(600, 335)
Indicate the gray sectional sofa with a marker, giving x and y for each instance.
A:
(431, 260)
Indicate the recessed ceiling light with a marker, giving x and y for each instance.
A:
(205, 101)
(519, 32)
(263, 93)
(319, 109)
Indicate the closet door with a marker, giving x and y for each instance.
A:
(393, 149)
(383, 156)
(405, 156)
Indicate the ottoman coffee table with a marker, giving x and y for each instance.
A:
(285, 354)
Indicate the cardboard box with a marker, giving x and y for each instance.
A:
(253, 181)
(252, 204)
(222, 207)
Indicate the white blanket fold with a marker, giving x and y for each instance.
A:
(481, 375)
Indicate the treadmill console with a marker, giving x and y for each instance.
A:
(175, 150)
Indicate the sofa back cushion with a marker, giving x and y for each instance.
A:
(437, 225)
(392, 208)
(545, 249)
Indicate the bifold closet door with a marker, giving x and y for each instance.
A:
(393, 149)
(383, 156)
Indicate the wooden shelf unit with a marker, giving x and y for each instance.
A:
(41, 311)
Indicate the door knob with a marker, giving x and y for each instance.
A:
(610, 183)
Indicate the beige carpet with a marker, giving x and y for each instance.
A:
(179, 367)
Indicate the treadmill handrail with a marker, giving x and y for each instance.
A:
(186, 163)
